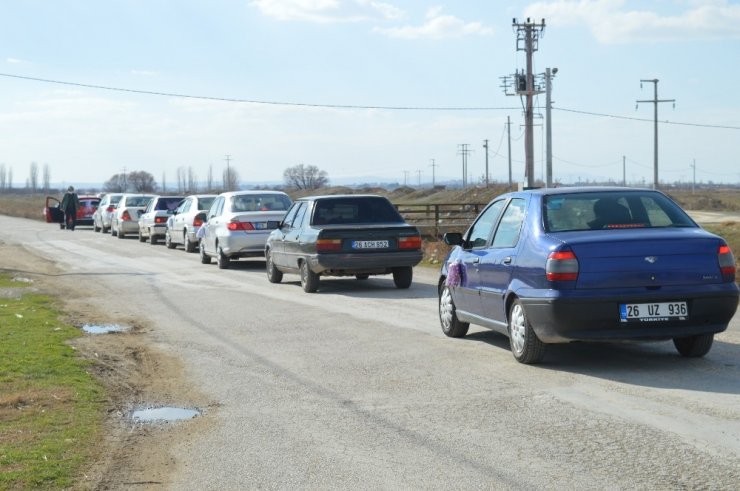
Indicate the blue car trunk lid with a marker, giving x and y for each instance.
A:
(645, 258)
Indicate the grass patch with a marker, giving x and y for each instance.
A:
(51, 408)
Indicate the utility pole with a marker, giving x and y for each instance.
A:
(227, 184)
(433, 165)
(485, 145)
(655, 102)
(125, 184)
(464, 151)
(405, 177)
(549, 74)
(624, 171)
(527, 39)
(693, 181)
(508, 131)
(418, 175)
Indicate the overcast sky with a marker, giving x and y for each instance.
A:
(240, 60)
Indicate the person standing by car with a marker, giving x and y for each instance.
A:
(70, 205)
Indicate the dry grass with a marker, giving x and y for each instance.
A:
(24, 205)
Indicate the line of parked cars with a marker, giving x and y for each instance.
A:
(341, 235)
(541, 266)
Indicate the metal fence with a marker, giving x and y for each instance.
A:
(434, 220)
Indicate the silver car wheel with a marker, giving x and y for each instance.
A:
(446, 309)
(525, 345)
(517, 329)
(451, 325)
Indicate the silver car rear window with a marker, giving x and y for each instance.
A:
(260, 202)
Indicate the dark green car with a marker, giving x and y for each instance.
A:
(343, 235)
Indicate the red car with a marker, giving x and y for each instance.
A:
(54, 214)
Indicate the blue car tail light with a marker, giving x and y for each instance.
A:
(726, 263)
(562, 266)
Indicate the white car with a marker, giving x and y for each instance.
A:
(104, 212)
(153, 221)
(125, 219)
(239, 223)
(183, 224)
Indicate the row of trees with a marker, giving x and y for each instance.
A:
(32, 183)
(298, 177)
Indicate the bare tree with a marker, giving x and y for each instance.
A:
(142, 181)
(192, 185)
(47, 178)
(209, 179)
(3, 176)
(231, 179)
(305, 177)
(181, 180)
(10, 178)
(33, 177)
(116, 184)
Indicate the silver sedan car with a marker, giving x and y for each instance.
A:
(238, 224)
(125, 219)
(183, 224)
(104, 212)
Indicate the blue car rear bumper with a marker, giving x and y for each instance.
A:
(596, 318)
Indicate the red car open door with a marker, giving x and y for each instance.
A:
(52, 211)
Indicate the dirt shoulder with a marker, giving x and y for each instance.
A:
(136, 375)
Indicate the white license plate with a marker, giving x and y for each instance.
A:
(653, 312)
(260, 225)
(370, 244)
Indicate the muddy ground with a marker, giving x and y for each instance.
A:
(136, 375)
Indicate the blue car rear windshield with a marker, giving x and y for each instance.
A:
(612, 210)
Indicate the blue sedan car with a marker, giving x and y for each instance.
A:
(588, 264)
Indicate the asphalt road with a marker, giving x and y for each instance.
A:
(356, 387)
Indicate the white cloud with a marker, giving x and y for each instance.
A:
(326, 11)
(437, 26)
(15, 61)
(612, 23)
(143, 73)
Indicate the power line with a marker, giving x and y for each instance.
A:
(254, 101)
(701, 125)
(354, 106)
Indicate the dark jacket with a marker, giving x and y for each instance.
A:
(70, 203)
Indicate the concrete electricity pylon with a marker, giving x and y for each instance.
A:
(485, 145)
(464, 152)
(527, 40)
(655, 102)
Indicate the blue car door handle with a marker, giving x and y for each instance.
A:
(476, 260)
(507, 260)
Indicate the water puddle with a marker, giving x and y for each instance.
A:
(164, 414)
(103, 329)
